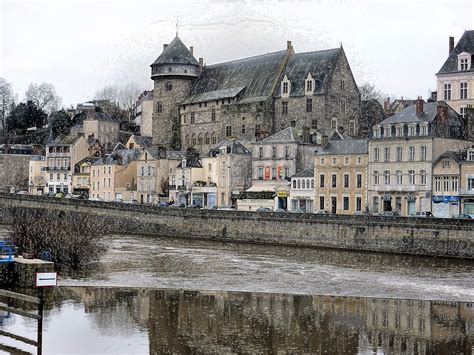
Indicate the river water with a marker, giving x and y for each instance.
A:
(162, 295)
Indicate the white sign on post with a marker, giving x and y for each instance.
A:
(46, 279)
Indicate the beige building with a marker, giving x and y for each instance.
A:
(340, 176)
(401, 153)
(114, 177)
(101, 126)
(81, 176)
(466, 180)
(153, 168)
(144, 113)
(37, 175)
(61, 156)
(302, 192)
(138, 142)
(183, 177)
(456, 77)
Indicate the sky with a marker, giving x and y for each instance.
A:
(80, 46)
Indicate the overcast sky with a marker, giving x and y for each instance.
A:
(82, 45)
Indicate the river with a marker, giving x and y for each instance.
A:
(164, 295)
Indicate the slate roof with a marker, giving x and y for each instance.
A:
(256, 195)
(408, 115)
(100, 116)
(176, 53)
(455, 156)
(126, 155)
(143, 141)
(65, 140)
(343, 147)
(214, 95)
(174, 154)
(288, 134)
(256, 74)
(319, 63)
(233, 147)
(304, 173)
(192, 161)
(465, 44)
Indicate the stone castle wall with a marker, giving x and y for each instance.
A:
(418, 236)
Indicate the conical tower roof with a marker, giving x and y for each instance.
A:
(176, 53)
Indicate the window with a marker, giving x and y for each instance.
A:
(159, 108)
(284, 108)
(294, 184)
(399, 131)
(386, 177)
(463, 90)
(343, 85)
(285, 88)
(228, 131)
(470, 183)
(109, 182)
(462, 112)
(334, 180)
(470, 155)
(293, 123)
(463, 64)
(346, 203)
(321, 161)
(58, 177)
(299, 184)
(257, 128)
(387, 131)
(423, 152)
(312, 183)
(303, 185)
(437, 183)
(207, 139)
(184, 119)
(399, 176)
(343, 105)
(377, 132)
(213, 115)
(423, 130)
(423, 177)
(387, 153)
(309, 86)
(411, 153)
(243, 129)
(334, 123)
(455, 183)
(359, 160)
(314, 124)
(142, 171)
(309, 105)
(358, 204)
(359, 180)
(447, 91)
(169, 86)
(260, 152)
(321, 180)
(200, 139)
(376, 178)
(351, 127)
(260, 173)
(346, 180)
(376, 154)
(411, 177)
(446, 164)
(334, 161)
(445, 183)
(321, 202)
(399, 153)
(214, 138)
(412, 130)
(287, 171)
(287, 152)
(193, 118)
(346, 161)
(65, 177)
(193, 139)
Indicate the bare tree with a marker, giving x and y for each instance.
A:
(124, 96)
(7, 98)
(44, 97)
(109, 92)
(368, 92)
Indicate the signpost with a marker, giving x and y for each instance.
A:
(46, 279)
(42, 280)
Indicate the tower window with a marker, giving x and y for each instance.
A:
(285, 88)
(309, 104)
(169, 86)
(192, 118)
(228, 131)
(284, 108)
(159, 108)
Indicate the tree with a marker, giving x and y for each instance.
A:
(60, 122)
(7, 99)
(369, 92)
(24, 116)
(122, 98)
(44, 96)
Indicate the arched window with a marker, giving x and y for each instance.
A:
(207, 139)
(214, 138)
(193, 139)
(294, 184)
(159, 108)
(312, 184)
(307, 184)
(200, 140)
(169, 86)
(299, 184)
(304, 185)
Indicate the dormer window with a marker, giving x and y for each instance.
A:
(399, 130)
(377, 132)
(387, 130)
(183, 163)
(285, 87)
(464, 61)
(309, 84)
(470, 155)
(424, 129)
(412, 130)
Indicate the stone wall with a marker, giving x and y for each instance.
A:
(420, 236)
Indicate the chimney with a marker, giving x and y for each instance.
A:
(442, 111)
(324, 140)
(419, 106)
(289, 47)
(191, 49)
(469, 122)
(451, 44)
(201, 65)
(164, 46)
(386, 104)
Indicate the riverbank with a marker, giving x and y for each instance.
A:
(416, 236)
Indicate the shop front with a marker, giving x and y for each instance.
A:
(445, 206)
(468, 206)
(281, 197)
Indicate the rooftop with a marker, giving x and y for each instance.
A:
(465, 44)
(176, 53)
(344, 147)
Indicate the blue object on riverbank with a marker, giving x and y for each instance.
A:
(7, 252)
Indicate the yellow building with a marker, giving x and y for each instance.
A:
(81, 176)
(114, 177)
(340, 176)
(37, 175)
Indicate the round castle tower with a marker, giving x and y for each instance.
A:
(173, 73)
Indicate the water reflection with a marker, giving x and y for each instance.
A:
(178, 321)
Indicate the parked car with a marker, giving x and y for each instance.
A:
(423, 214)
(209, 207)
(118, 200)
(321, 212)
(177, 205)
(59, 195)
(389, 214)
(96, 199)
(22, 193)
(281, 210)
(263, 209)
(193, 206)
(164, 204)
(463, 216)
(297, 210)
(227, 208)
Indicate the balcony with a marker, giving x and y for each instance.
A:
(58, 155)
(58, 168)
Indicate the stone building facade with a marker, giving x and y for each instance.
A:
(197, 106)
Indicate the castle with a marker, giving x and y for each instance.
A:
(197, 106)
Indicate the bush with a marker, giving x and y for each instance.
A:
(72, 239)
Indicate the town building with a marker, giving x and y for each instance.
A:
(114, 177)
(143, 111)
(61, 156)
(456, 76)
(280, 156)
(181, 179)
(197, 106)
(138, 142)
(37, 175)
(81, 176)
(153, 168)
(401, 153)
(302, 192)
(340, 176)
(392, 107)
(466, 180)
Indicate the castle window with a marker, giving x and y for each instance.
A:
(207, 139)
(309, 105)
(200, 140)
(343, 105)
(352, 128)
(309, 85)
(463, 90)
(293, 123)
(284, 108)
(184, 118)
(343, 85)
(193, 118)
(285, 88)
(159, 108)
(193, 139)
(228, 131)
(334, 123)
(169, 86)
(214, 138)
(447, 91)
(213, 115)
(243, 129)
(314, 124)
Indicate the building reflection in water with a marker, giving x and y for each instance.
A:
(237, 322)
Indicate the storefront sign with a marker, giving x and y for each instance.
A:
(282, 193)
(446, 199)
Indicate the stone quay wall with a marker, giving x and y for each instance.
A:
(418, 236)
